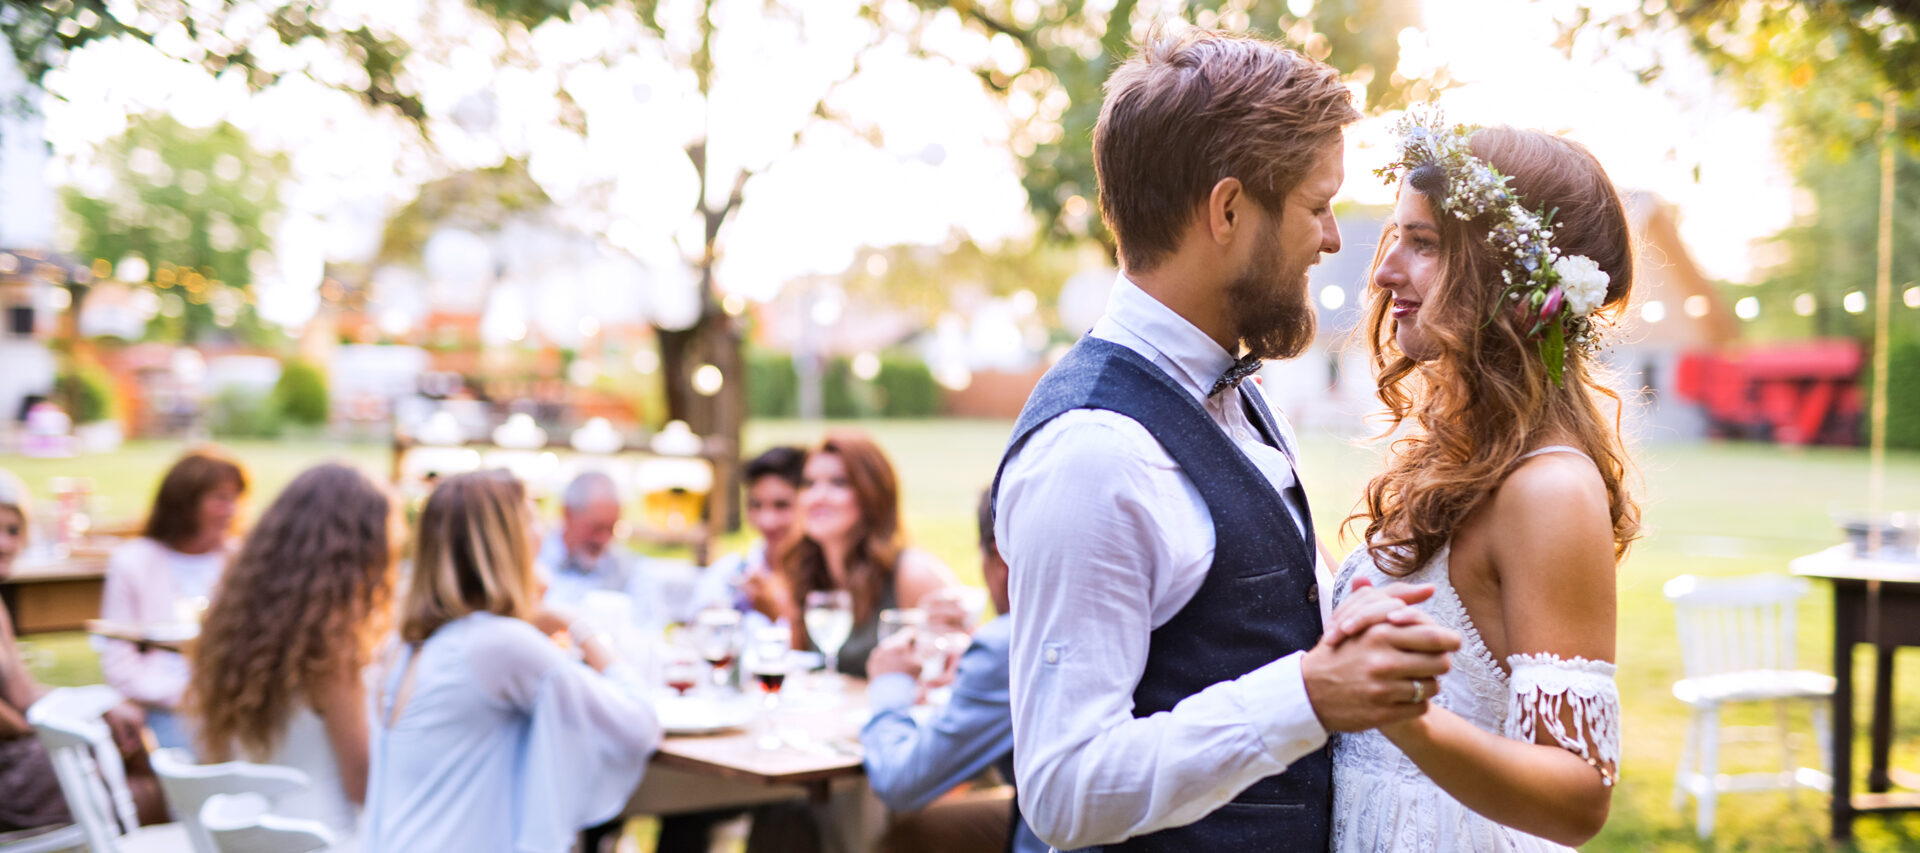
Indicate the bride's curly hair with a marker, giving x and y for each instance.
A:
(1484, 397)
(302, 604)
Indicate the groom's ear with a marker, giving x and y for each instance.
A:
(1226, 212)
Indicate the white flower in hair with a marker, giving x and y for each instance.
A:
(1584, 283)
(1557, 293)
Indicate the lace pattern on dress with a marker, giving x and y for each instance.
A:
(1575, 700)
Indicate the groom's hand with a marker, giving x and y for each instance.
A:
(1367, 681)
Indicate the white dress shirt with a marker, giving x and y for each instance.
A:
(1107, 540)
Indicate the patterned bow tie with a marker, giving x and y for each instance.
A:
(1243, 367)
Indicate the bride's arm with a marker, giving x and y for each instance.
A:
(1550, 540)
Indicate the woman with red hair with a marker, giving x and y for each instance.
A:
(848, 537)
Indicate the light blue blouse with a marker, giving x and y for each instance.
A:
(504, 744)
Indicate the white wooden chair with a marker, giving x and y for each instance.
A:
(189, 786)
(237, 823)
(92, 779)
(45, 839)
(1737, 645)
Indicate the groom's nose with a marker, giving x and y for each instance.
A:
(1330, 235)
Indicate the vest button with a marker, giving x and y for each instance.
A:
(1313, 594)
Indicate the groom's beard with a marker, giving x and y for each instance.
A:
(1276, 317)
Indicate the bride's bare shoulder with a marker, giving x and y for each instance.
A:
(1560, 479)
(1554, 503)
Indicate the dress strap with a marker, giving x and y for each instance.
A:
(1557, 448)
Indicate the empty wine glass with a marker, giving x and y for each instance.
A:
(829, 618)
(895, 620)
(770, 662)
(715, 631)
(939, 650)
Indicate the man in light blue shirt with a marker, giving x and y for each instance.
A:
(911, 764)
(581, 557)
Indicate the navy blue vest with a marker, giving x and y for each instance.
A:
(1258, 603)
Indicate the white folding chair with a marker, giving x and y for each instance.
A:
(45, 839)
(92, 779)
(237, 823)
(189, 786)
(1737, 645)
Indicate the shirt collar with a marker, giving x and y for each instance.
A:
(1190, 356)
(554, 553)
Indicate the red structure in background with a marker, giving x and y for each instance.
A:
(1800, 393)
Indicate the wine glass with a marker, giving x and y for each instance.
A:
(829, 616)
(895, 620)
(770, 663)
(715, 631)
(938, 649)
(682, 670)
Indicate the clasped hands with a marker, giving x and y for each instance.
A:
(1379, 659)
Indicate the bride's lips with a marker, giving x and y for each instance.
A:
(1404, 308)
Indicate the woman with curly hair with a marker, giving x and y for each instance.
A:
(165, 575)
(277, 668)
(1506, 252)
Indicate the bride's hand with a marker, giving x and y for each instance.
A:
(1369, 605)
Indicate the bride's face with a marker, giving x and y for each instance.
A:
(1410, 270)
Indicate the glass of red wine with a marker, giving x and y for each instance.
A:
(771, 659)
(682, 670)
(716, 633)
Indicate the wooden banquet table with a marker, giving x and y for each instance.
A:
(55, 594)
(1899, 620)
(819, 760)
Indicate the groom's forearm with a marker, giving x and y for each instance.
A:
(1097, 779)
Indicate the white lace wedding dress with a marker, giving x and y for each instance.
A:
(1381, 800)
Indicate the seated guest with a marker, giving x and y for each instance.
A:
(277, 667)
(849, 538)
(33, 797)
(581, 557)
(910, 765)
(166, 575)
(746, 581)
(485, 735)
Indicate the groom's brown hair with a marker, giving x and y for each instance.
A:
(1194, 107)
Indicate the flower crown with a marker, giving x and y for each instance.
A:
(1563, 291)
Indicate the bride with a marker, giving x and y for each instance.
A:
(1505, 250)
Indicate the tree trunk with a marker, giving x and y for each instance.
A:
(712, 340)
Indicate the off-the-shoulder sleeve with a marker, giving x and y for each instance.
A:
(1575, 701)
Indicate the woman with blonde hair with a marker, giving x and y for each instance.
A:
(486, 736)
(277, 668)
(1507, 252)
(166, 575)
(848, 536)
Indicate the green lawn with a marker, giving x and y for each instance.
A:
(1709, 509)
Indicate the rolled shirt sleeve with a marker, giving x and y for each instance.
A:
(1107, 540)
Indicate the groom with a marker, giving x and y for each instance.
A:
(1169, 692)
